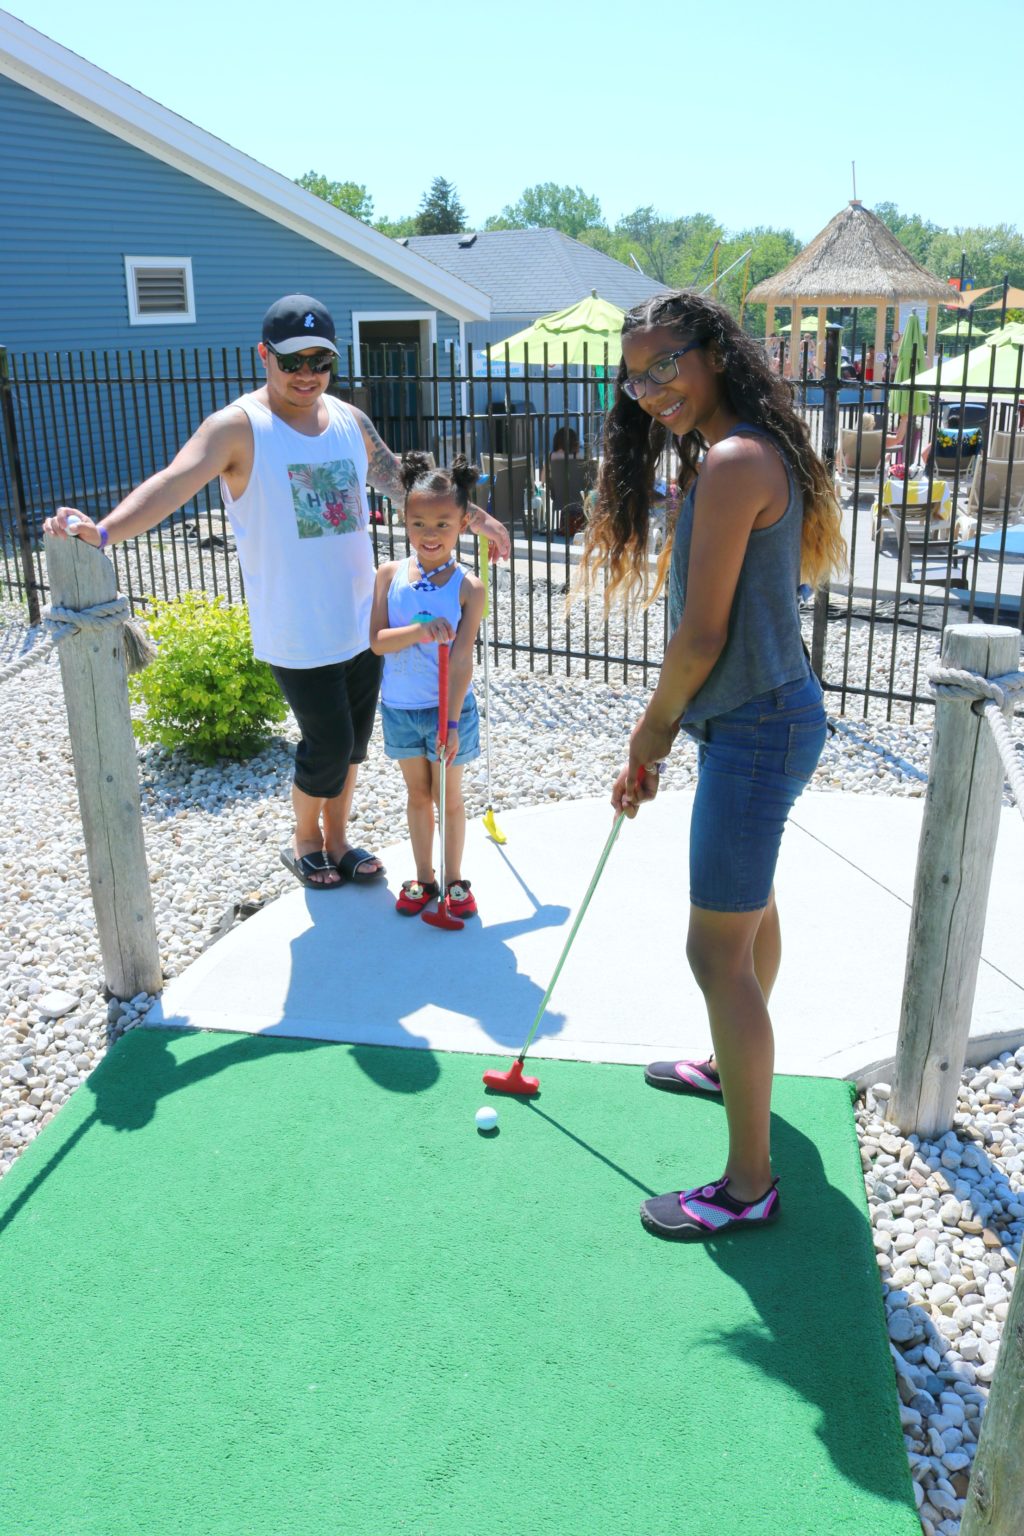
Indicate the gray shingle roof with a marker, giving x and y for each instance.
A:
(535, 271)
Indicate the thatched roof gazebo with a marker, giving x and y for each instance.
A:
(855, 260)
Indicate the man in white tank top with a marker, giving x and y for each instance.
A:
(300, 518)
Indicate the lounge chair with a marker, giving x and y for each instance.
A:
(921, 535)
(568, 481)
(997, 492)
(999, 447)
(508, 489)
(862, 451)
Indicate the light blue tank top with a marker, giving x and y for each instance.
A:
(764, 648)
(410, 676)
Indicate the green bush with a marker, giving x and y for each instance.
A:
(205, 692)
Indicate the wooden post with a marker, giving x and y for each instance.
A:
(796, 314)
(95, 682)
(819, 345)
(933, 327)
(954, 868)
(881, 310)
(995, 1496)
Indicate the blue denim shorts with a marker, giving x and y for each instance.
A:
(753, 763)
(413, 732)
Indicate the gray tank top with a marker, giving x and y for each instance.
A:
(764, 648)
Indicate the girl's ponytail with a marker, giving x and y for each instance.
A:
(419, 473)
(415, 467)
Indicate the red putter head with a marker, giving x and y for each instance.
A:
(512, 1081)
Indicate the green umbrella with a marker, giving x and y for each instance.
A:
(592, 324)
(911, 354)
(974, 370)
(808, 323)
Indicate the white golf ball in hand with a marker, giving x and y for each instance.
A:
(486, 1118)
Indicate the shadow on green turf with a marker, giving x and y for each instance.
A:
(128, 1102)
(797, 1275)
(532, 1105)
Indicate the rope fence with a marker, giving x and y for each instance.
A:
(994, 694)
(61, 622)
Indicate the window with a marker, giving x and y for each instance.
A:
(160, 290)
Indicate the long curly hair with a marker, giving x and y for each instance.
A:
(616, 536)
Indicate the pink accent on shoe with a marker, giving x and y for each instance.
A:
(702, 1206)
(694, 1073)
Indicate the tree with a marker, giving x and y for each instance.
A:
(350, 196)
(398, 229)
(910, 229)
(993, 253)
(440, 212)
(549, 206)
(651, 241)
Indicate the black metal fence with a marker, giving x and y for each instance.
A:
(931, 479)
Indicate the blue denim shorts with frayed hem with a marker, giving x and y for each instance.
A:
(753, 764)
(413, 732)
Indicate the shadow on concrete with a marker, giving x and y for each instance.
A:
(420, 969)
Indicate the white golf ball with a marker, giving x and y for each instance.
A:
(486, 1118)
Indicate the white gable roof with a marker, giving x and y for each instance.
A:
(61, 76)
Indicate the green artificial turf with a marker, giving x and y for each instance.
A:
(260, 1287)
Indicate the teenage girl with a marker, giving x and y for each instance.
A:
(420, 603)
(759, 516)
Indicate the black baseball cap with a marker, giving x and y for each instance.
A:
(297, 322)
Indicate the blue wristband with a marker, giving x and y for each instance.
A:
(453, 725)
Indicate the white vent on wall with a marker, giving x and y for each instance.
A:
(160, 290)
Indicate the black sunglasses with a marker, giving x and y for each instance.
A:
(294, 362)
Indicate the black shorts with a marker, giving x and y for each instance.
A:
(334, 707)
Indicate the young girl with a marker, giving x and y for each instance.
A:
(759, 517)
(418, 604)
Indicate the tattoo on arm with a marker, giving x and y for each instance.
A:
(383, 469)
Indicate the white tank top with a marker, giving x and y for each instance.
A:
(301, 528)
(410, 676)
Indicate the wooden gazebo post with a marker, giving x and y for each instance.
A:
(796, 314)
(881, 308)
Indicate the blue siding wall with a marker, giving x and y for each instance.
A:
(77, 200)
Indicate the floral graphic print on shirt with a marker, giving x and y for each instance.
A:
(326, 498)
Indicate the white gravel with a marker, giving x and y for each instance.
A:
(947, 1218)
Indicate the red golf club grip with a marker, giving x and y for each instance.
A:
(442, 693)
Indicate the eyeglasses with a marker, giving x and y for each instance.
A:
(662, 372)
(294, 362)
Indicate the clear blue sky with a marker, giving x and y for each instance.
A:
(748, 111)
